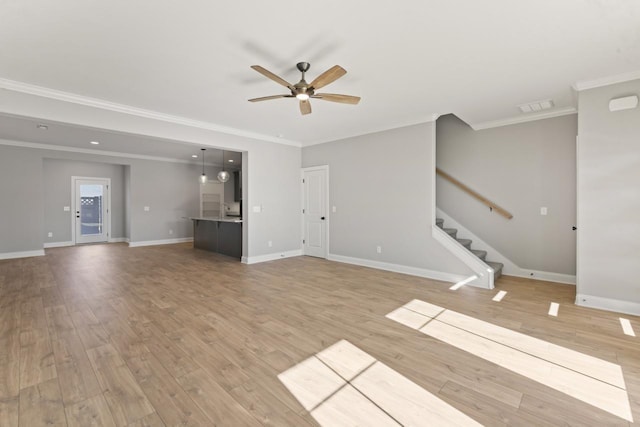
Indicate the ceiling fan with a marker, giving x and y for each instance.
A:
(304, 91)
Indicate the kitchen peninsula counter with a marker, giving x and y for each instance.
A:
(218, 234)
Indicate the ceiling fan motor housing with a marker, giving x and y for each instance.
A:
(303, 67)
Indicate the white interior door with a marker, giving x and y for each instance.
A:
(314, 212)
(91, 210)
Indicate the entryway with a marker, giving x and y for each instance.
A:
(91, 219)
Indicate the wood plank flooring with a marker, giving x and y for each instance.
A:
(107, 335)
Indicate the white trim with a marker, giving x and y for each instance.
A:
(606, 81)
(160, 242)
(25, 254)
(524, 118)
(48, 245)
(509, 267)
(618, 306)
(52, 147)
(432, 168)
(271, 257)
(397, 268)
(547, 276)
(327, 209)
(73, 98)
(119, 240)
(75, 208)
(483, 272)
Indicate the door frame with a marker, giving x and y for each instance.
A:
(107, 218)
(325, 168)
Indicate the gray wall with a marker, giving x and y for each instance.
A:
(127, 201)
(57, 175)
(171, 191)
(381, 185)
(521, 168)
(21, 200)
(609, 197)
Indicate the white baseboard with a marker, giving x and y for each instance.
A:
(48, 245)
(608, 304)
(160, 242)
(270, 257)
(509, 267)
(25, 254)
(397, 268)
(119, 240)
(548, 276)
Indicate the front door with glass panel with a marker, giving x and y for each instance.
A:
(91, 210)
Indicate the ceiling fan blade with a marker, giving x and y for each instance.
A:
(266, 98)
(329, 76)
(334, 97)
(272, 76)
(305, 107)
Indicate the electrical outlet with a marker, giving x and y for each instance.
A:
(50, 234)
(379, 249)
(270, 243)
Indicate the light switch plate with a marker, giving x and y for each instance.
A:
(333, 209)
(257, 209)
(66, 208)
(146, 208)
(543, 211)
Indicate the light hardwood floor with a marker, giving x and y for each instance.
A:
(117, 336)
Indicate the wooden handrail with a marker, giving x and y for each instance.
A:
(492, 206)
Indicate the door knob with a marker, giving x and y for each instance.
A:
(322, 218)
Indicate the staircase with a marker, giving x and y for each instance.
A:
(497, 266)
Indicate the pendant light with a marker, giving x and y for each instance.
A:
(203, 177)
(223, 175)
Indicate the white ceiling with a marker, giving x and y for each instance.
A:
(78, 138)
(408, 60)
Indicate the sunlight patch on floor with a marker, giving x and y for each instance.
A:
(626, 327)
(499, 296)
(344, 386)
(587, 378)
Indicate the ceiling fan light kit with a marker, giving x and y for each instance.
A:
(203, 177)
(304, 91)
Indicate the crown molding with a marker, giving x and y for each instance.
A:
(73, 98)
(52, 147)
(606, 81)
(523, 119)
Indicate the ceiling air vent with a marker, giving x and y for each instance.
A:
(533, 107)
